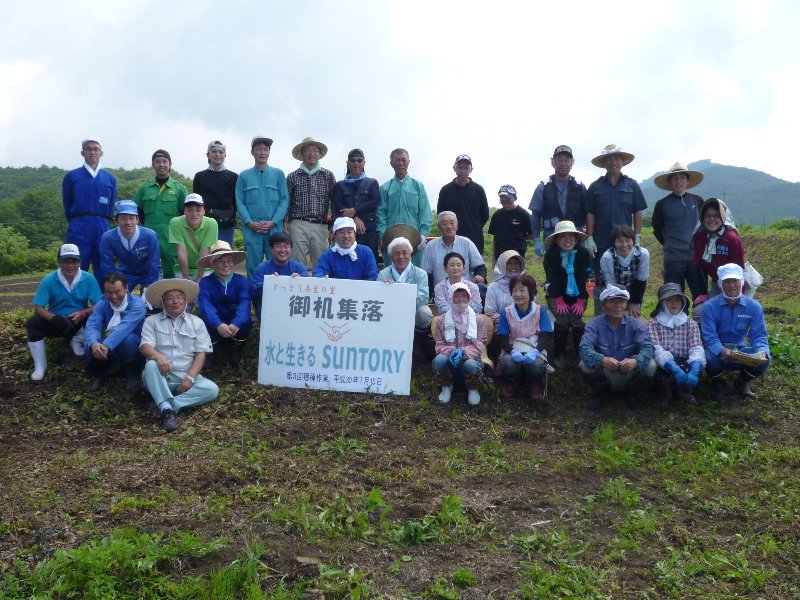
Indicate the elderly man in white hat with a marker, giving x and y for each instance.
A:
(224, 301)
(615, 349)
(174, 344)
(61, 307)
(310, 200)
(675, 219)
(347, 259)
(731, 320)
(613, 199)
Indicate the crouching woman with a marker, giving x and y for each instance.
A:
(679, 350)
(523, 332)
(460, 337)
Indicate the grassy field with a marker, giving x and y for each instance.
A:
(279, 493)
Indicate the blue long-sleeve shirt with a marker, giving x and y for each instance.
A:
(629, 339)
(270, 268)
(84, 195)
(335, 265)
(220, 302)
(724, 324)
(139, 264)
(131, 322)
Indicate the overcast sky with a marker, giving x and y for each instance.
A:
(504, 82)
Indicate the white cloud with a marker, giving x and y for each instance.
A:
(503, 82)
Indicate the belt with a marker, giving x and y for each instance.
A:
(316, 220)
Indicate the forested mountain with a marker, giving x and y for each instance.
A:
(30, 199)
(753, 196)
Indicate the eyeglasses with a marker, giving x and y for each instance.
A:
(356, 159)
(92, 149)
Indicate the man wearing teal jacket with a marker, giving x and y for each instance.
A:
(404, 200)
(159, 200)
(261, 201)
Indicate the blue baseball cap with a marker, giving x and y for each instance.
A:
(126, 207)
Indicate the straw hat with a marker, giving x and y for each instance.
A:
(157, 290)
(221, 248)
(600, 159)
(297, 151)
(564, 227)
(405, 230)
(662, 180)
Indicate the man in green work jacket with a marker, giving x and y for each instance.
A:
(159, 200)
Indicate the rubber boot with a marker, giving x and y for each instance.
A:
(577, 335)
(235, 356)
(133, 374)
(559, 346)
(718, 387)
(446, 381)
(743, 385)
(534, 390)
(39, 355)
(664, 383)
(76, 343)
(473, 382)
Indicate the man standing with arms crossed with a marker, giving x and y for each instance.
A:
(88, 194)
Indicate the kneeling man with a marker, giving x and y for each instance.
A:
(61, 307)
(175, 344)
(615, 349)
(224, 301)
(347, 259)
(728, 322)
(113, 334)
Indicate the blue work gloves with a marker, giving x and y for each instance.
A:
(455, 358)
(677, 372)
(517, 356)
(531, 356)
(538, 247)
(695, 368)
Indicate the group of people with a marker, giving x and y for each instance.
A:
(177, 247)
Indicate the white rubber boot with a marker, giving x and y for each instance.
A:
(446, 394)
(473, 397)
(39, 359)
(77, 342)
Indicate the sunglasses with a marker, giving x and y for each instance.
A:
(356, 159)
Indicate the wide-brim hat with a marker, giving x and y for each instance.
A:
(157, 290)
(221, 248)
(405, 230)
(297, 151)
(662, 180)
(668, 290)
(564, 227)
(600, 159)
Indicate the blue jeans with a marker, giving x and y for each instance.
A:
(441, 364)
(716, 365)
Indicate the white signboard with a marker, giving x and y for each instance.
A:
(337, 334)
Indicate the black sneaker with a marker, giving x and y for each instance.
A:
(718, 388)
(169, 421)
